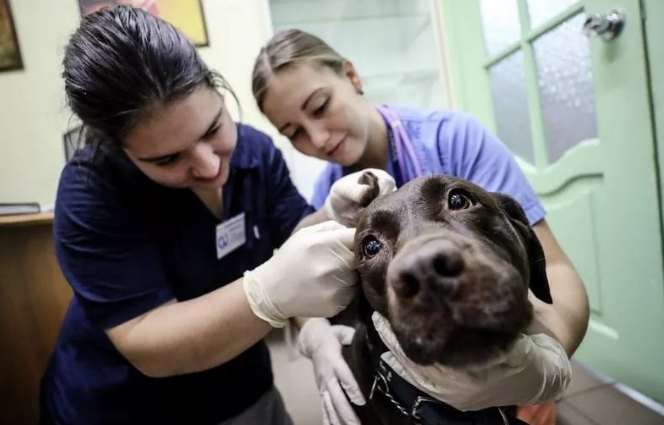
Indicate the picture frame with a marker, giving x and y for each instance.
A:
(10, 51)
(188, 16)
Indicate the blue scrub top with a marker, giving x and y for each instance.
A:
(451, 143)
(127, 245)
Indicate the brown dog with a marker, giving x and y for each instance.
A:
(449, 264)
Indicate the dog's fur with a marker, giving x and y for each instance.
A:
(449, 264)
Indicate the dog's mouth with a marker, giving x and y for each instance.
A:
(461, 348)
(451, 303)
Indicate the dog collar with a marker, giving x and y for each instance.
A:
(415, 404)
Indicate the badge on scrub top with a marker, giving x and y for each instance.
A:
(230, 235)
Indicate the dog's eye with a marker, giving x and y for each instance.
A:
(370, 246)
(458, 201)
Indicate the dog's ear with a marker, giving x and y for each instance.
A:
(370, 180)
(539, 282)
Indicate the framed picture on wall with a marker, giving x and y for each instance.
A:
(186, 15)
(10, 54)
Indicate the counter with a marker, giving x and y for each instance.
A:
(33, 299)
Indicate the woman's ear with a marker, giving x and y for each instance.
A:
(353, 76)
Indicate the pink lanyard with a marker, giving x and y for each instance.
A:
(401, 138)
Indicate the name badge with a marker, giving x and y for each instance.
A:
(230, 235)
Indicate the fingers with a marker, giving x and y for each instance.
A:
(335, 230)
(323, 411)
(385, 332)
(388, 188)
(330, 415)
(345, 334)
(345, 235)
(341, 406)
(324, 227)
(379, 320)
(348, 382)
(356, 192)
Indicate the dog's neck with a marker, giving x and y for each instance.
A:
(364, 313)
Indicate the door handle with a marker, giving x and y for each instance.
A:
(607, 26)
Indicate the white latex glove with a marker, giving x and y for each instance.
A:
(311, 275)
(536, 370)
(342, 204)
(321, 342)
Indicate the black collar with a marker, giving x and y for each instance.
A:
(417, 405)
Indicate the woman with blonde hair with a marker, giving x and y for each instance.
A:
(314, 96)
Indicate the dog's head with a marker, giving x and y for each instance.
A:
(449, 264)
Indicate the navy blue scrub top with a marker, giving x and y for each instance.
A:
(127, 245)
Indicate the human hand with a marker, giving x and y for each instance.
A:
(536, 370)
(343, 202)
(311, 275)
(321, 343)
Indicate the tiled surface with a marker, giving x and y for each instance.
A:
(294, 377)
(589, 400)
(607, 406)
(593, 400)
(583, 380)
(568, 415)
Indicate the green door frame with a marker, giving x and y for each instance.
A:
(652, 11)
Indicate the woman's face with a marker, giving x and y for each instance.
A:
(187, 143)
(320, 111)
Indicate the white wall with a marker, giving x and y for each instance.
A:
(34, 117)
(33, 113)
(32, 107)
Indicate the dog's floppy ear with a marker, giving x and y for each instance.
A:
(370, 180)
(539, 282)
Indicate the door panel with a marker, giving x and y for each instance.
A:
(565, 83)
(576, 114)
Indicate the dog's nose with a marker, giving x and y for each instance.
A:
(436, 265)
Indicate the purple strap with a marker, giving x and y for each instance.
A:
(400, 138)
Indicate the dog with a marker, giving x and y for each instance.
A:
(449, 264)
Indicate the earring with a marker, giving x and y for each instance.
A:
(360, 92)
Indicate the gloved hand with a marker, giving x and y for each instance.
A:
(311, 275)
(536, 370)
(321, 343)
(342, 204)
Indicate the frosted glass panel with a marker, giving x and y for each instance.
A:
(510, 105)
(566, 87)
(377, 47)
(500, 21)
(391, 42)
(287, 12)
(541, 11)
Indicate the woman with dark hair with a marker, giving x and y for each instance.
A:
(165, 226)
